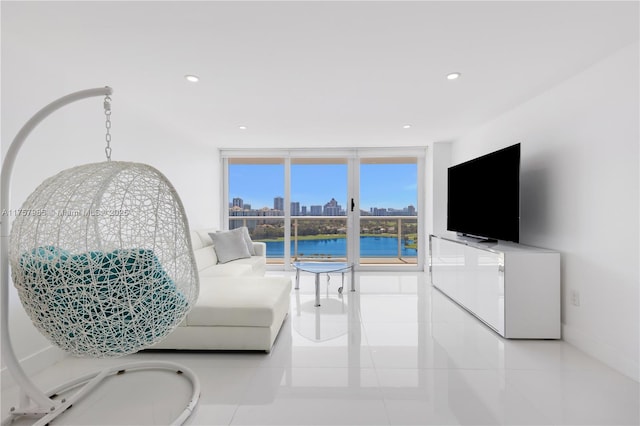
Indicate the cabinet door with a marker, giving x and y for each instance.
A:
(486, 271)
(446, 260)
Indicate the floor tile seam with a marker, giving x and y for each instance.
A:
(387, 410)
(316, 396)
(287, 368)
(558, 369)
(233, 415)
(413, 295)
(398, 322)
(299, 393)
(347, 390)
(500, 423)
(519, 391)
(440, 368)
(533, 403)
(497, 369)
(242, 395)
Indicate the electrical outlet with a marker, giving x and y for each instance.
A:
(575, 297)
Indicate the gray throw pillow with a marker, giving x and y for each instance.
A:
(230, 245)
(247, 239)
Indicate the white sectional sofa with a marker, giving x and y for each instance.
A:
(238, 308)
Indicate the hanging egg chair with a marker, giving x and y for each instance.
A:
(102, 261)
(101, 258)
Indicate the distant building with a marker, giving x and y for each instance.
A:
(237, 202)
(266, 211)
(303, 210)
(332, 208)
(376, 211)
(316, 210)
(379, 211)
(236, 211)
(278, 203)
(295, 208)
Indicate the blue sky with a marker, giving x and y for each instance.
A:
(381, 185)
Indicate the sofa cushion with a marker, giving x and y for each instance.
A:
(231, 269)
(205, 257)
(247, 240)
(196, 241)
(242, 301)
(204, 235)
(260, 248)
(257, 264)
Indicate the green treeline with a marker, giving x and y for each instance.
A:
(327, 229)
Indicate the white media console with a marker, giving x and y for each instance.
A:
(514, 289)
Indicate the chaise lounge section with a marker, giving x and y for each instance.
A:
(238, 308)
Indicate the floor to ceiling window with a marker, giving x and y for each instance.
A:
(318, 208)
(255, 189)
(388, 210)
(361, 205)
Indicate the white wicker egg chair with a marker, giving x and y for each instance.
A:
(101, 258)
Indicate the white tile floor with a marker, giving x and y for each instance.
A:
(396, 352)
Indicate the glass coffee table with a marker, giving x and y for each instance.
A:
(324, 268)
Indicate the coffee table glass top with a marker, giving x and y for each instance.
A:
(322, 267)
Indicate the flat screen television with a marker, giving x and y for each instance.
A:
(483, 196)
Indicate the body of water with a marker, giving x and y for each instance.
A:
(337, 247)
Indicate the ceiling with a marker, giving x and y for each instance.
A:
(305, 73)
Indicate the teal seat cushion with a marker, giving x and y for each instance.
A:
(96, 303)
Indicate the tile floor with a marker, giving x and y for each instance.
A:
(396, 352)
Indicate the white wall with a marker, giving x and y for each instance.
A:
(442, 161)
(580, 190)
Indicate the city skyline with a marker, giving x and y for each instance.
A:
(390, 186)
(331, 208)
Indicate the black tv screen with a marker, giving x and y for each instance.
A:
(484, 196)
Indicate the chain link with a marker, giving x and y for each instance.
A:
(107, 124)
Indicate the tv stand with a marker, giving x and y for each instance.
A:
(513, 288)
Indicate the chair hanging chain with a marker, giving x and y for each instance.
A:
(107, 136)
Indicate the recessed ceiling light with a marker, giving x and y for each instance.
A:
(453, 75)
(242, 127)
(406, 126)
(192, 78)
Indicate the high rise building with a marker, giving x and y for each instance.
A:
(278, 203)
(376, 211)
(316, 210)
(295, 208)
(237, 202)
(332, 208)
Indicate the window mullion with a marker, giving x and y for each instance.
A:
(287, 213)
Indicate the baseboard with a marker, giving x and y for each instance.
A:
(601, 351)
(33, 364)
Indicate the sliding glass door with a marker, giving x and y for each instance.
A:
(388, 215)
(348, 206)
(318, 209)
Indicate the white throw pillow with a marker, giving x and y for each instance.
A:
(247, 239)
(230, 245)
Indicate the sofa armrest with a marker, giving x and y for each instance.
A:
(260, 248)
